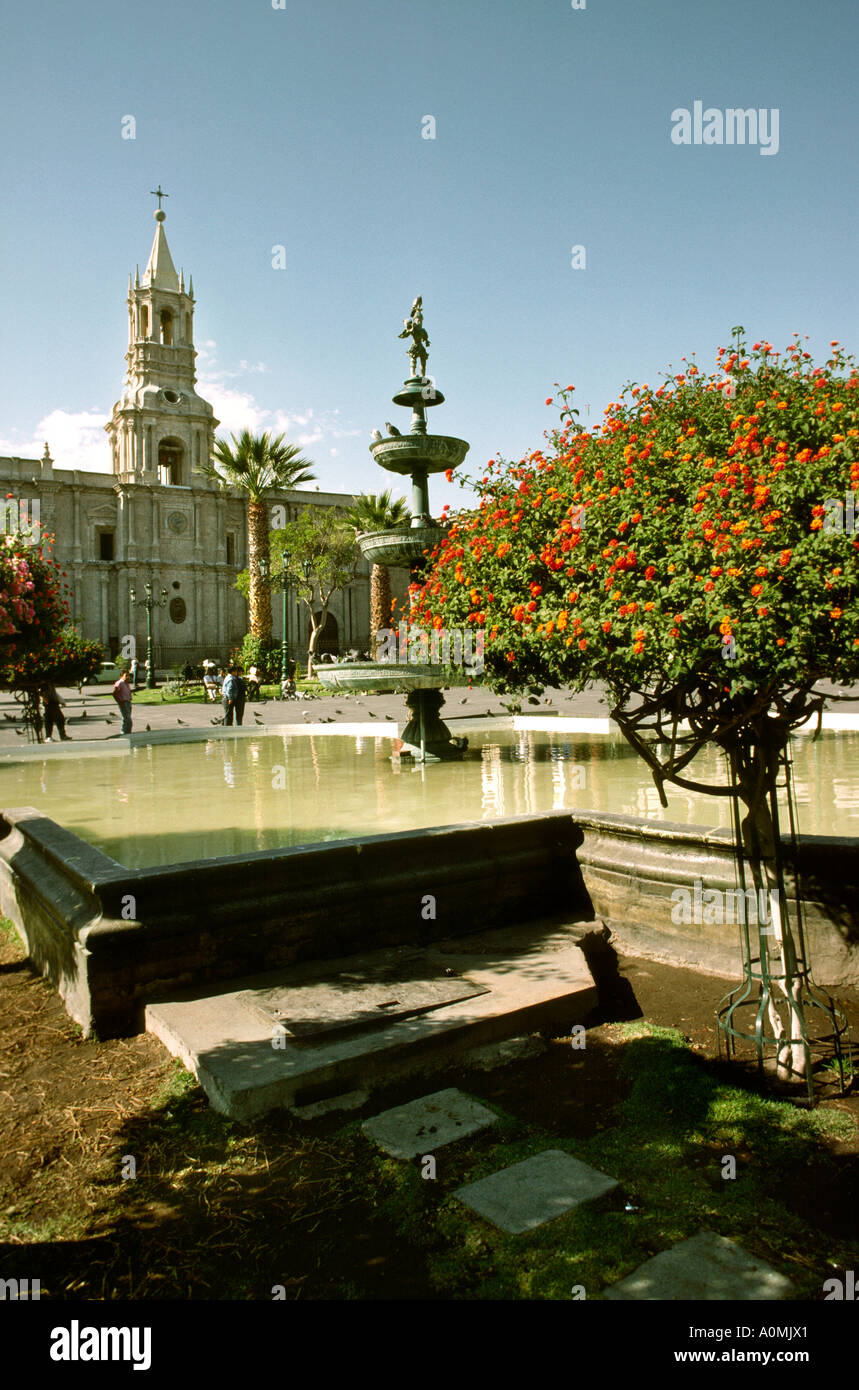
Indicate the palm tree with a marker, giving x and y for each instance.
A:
(378, 513)
(258, 465)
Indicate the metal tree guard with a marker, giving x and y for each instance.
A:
(764, 975)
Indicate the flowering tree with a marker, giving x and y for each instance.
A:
(692, 554)
(36, 647)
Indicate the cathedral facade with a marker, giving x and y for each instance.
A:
(152, 518)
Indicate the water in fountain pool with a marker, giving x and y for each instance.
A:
(165, 803)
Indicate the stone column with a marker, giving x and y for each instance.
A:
(131, 538)
(77, 553)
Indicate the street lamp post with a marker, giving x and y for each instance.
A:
(307, 567)
(284, 645)
(148, 603)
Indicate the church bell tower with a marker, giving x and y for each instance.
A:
(160, 429)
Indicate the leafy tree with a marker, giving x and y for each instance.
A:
(320, 538)
(695, 553)
(266, 656)
(373, 512)
(258, 466)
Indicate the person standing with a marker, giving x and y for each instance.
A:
(241, 694)
(135, 667)
(53, 712)
(122, 696)
(229, 691)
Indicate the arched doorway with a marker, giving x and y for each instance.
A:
(329, 637)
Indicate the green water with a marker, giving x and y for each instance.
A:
(164, 803)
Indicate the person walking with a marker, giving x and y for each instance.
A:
(122, 696)
(53, 712)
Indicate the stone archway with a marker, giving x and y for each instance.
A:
(329, 637)
(171, 462)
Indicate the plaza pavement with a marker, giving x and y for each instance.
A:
(93, 715)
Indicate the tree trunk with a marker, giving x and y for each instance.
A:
(315, 629)
(380, 604)
(757, 768)
(259, 597)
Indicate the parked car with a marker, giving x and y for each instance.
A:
(108, 673)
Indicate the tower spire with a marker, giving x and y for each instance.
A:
(160, 272)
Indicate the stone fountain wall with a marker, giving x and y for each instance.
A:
(199, 925)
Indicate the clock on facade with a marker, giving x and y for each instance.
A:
(178, 522)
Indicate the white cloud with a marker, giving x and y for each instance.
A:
(236, 410)
(75, 441)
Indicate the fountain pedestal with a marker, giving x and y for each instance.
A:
(426, 737)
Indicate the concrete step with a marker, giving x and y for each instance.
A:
(238, 1041)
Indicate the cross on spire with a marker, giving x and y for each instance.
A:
(159, 194)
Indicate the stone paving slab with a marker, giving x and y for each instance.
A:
(246, 1069)
(427, 1124)
(539, 1189)
(708, 1267)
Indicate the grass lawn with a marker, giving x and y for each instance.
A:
(160, 696)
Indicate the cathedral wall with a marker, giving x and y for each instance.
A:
(111, 535)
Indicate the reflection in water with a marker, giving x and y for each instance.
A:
(163, 803)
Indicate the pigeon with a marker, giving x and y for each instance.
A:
(258, 720)
(20, 733)
(338, 711)
(211, 721)
(149, 728)
(389, 716)
(83, 716)
(465, 701)
(182, 722)
(11, 717)
(371, 714)
(548, 702)
(392, 429)
(376, 435)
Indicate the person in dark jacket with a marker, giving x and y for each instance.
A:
(53, 712)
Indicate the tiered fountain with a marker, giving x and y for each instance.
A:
(414, 455)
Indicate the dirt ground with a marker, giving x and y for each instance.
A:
(218, 1210)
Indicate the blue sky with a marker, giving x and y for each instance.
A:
(302, 126)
